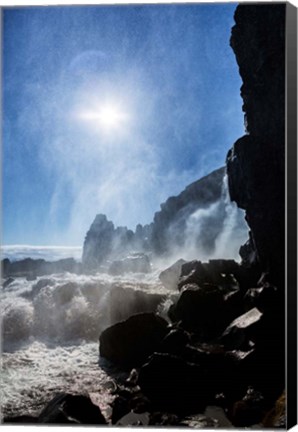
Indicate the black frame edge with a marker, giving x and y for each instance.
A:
(291, 216)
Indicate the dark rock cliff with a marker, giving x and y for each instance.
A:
(256, 162)
(190, 222)
(169, 223)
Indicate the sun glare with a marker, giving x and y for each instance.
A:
(107, 117)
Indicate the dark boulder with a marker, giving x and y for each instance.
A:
(129, 343)
(74, 409)
(188, 383)
(124, 302)
(206, 309)
(219, 272)
(242, 330)
(173, 384)
(197, 308)
(170, 276)
(249, 410)
(7, 282)
(265, 298)
(175, 342)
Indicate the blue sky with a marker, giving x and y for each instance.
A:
(111, 109)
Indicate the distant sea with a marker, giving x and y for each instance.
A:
(48, 253)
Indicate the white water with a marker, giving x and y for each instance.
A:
(50, 329)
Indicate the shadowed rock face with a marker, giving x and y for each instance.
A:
(175, 227)
(256, 162)
(169, 225)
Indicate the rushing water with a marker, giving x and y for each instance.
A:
(50, 330)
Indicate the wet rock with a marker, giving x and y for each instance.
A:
(170, 276)
(164, 419)
(42, 283)
(265, 298)
(242, 330)
(200, 421)
(175, 342)
(197, 307)
(124, 302)
(134, 419)
(173, 384)
(129, 343)
(136, 263)
(120, 407)
(249, 410)
(5, 265)
(217, 272)
(129, 400)
(7, 282)
(69, 408)
(206, 309)
(218, 414)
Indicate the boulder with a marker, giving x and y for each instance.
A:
(249, 410)
(134, 419)
(197, 308)
(173, 384)
(129, 343)
(7, 282)
(218, 272)
(206, 309)
(175, 342)
(124, 302)
(69, 408)
(136, 263)
(170, 276)
(265, 298)
(242, 330)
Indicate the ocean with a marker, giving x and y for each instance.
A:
(50, 330)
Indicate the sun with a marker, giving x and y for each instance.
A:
(108, 117)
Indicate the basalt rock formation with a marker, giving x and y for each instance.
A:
(256, 162)
(170, 223)
(173, 227)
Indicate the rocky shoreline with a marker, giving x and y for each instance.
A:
(216, 358)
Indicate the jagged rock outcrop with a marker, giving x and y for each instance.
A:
(103, 241)
(170, 223)
(186, 223)
(256, 162)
